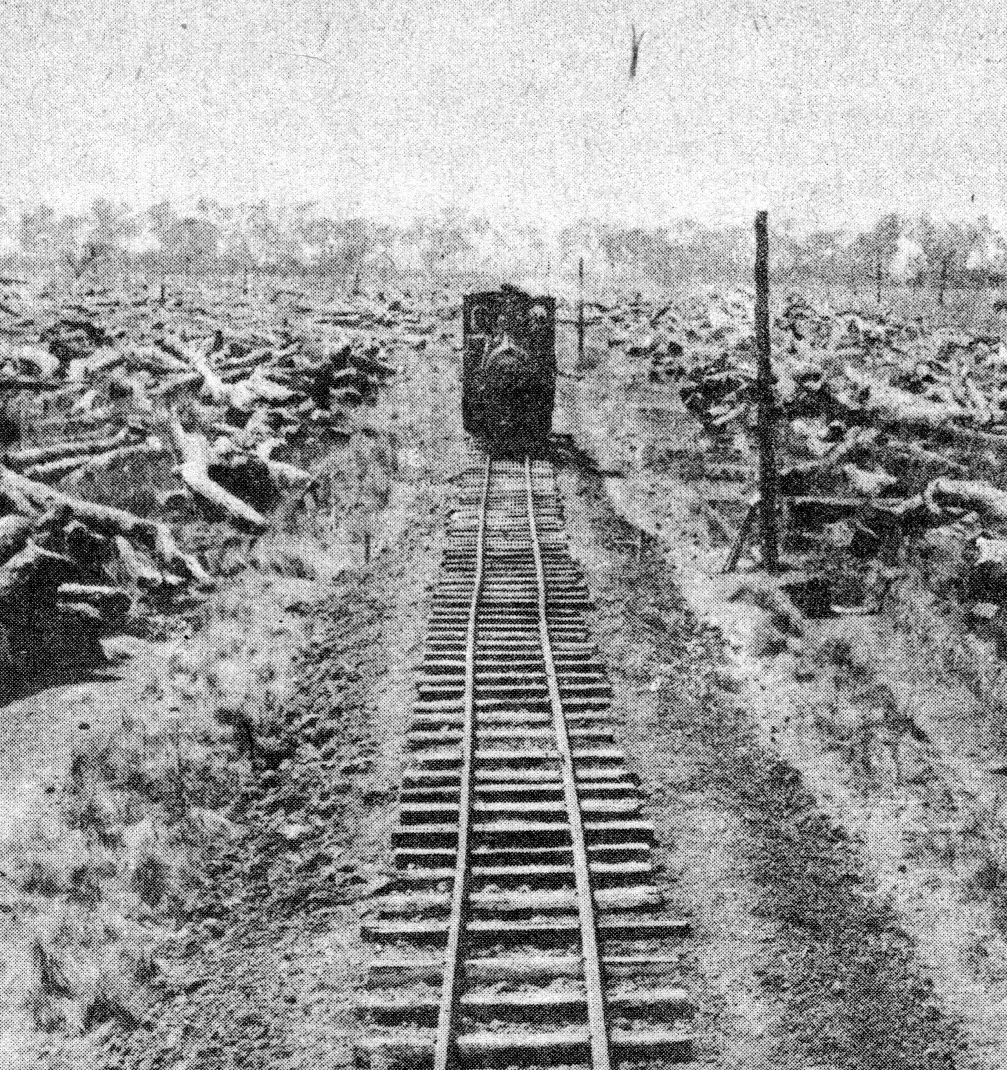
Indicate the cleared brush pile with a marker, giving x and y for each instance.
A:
(125, 417)
(893, 435)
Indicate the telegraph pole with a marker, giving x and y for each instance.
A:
(765, 427)
(580, 320)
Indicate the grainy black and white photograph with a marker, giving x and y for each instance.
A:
(503, 535)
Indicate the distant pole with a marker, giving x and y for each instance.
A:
(878, 279)
(945, 265)
(580, 319)
(766, 406)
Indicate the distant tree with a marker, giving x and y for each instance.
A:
(946, 248)
(50, 242)
(818, 256)
(886, 234)
(99, 242)
(871, 253)
(445, 242)
(196, 242)
(987, 257)
(351, 243)
(188, 244)
(36, 232)
(269, 244)
(163, 222)
(313, 234)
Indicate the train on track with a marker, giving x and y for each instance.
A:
(509, 365)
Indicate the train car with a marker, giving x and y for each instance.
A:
(509, 364)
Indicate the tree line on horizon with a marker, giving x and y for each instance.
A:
(113, 238)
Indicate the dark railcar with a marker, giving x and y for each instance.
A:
(509, 364)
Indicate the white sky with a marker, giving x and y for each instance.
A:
(520, 109)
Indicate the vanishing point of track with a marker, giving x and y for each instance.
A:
(524, 927)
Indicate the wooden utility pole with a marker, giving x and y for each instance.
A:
(945, 267)
(580, 319)
(765, 429)
(878, 279)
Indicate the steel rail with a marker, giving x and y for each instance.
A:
(444, 1043)
(593, 982)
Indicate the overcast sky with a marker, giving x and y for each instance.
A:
(522, 110)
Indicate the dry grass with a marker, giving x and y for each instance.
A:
(98, 875)
(78, 879)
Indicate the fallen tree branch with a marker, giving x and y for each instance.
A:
(167, 549)
(742, 535)
(103, 461)
(792, 478)
(108, 601)
(15, 530)
(194, 473)
(139, 571)
(97, 362)
(215, 387)
(141, 400)
(280, 470)
(15, 497)
(987, 500)
(105, 518)
(62, 450)
(85, 403)
(870, 484)
(174, 382)
(10, 383)
(892, 404)
(918, 453)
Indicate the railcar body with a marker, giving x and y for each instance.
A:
(509, 364)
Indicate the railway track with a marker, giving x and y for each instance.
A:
(524, 927)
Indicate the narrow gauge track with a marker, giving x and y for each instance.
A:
(523, 927)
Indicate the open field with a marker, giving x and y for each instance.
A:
(198, 828)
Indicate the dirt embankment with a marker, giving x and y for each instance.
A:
(802, 960)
